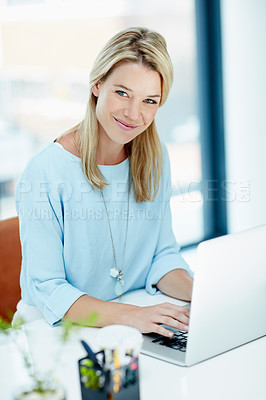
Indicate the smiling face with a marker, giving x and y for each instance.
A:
(127, 102)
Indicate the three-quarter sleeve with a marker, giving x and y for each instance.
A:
(43, 277)
(167, 255)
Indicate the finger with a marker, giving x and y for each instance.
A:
(174, 307)
(177, 324)
(186, 310)
(176, 313)
(183, 318)
(173, 318)
(162, 331)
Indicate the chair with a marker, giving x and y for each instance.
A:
(10, 264)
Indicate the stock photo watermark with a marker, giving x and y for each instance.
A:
(65, 200)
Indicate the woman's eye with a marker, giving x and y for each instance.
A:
(121, 93)
(150, 101)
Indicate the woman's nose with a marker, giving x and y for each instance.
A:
(133, 110)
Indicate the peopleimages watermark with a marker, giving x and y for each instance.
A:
(213, 190)
(90, 214)
(82, 192)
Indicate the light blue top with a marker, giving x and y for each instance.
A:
(66, 245)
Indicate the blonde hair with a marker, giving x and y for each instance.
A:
(137, 45)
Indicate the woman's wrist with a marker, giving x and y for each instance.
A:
(119, 313)
(108, 313)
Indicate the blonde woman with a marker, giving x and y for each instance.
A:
(93, 205)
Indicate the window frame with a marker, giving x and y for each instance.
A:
(211, 114)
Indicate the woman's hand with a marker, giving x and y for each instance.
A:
(146, 319)
(149, 319)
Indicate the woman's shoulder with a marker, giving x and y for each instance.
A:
(49, 159)
(68, 142)
(41, 157)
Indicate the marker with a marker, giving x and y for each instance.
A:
(91, 355)
(117, 372)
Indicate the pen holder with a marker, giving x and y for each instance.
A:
(109, 384)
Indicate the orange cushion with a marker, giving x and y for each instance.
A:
(10, 264)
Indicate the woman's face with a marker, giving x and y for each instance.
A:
(127, 101)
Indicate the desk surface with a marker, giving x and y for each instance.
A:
(237, 374)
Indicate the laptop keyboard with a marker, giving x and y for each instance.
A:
(177, 342)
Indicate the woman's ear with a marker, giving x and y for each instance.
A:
(95, 89)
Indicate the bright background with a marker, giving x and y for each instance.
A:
(47, 48)
(46, 51)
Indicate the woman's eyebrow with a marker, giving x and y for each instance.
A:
(130, 90)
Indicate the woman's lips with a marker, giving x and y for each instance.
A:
(124, 125)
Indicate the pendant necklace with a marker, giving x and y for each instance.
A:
(115, 272)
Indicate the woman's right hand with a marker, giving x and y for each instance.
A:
(146, 319)
(150, 319)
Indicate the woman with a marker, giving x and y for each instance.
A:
(93, 206)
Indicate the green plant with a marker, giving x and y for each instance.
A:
(41, 384)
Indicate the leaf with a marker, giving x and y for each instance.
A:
(69, 326)
(4, 326)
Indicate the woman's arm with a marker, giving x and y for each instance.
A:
(176, 283)
(146, 319)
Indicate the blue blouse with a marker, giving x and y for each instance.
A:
(66, 244)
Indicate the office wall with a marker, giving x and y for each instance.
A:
(244, 70)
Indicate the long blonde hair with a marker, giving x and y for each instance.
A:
(138, 45)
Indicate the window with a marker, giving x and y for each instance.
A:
(46, 51)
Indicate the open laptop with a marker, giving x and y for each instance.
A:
(228, 306)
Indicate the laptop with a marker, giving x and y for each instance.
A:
(228, 306)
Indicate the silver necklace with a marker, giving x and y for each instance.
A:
(115, 272)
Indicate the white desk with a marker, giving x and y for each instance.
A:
(239, 374)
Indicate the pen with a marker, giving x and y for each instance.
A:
(91, 355)
(117, 371)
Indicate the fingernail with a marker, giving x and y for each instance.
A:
(171, 334)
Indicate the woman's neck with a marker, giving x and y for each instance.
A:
(110, 153)
(109, 158)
